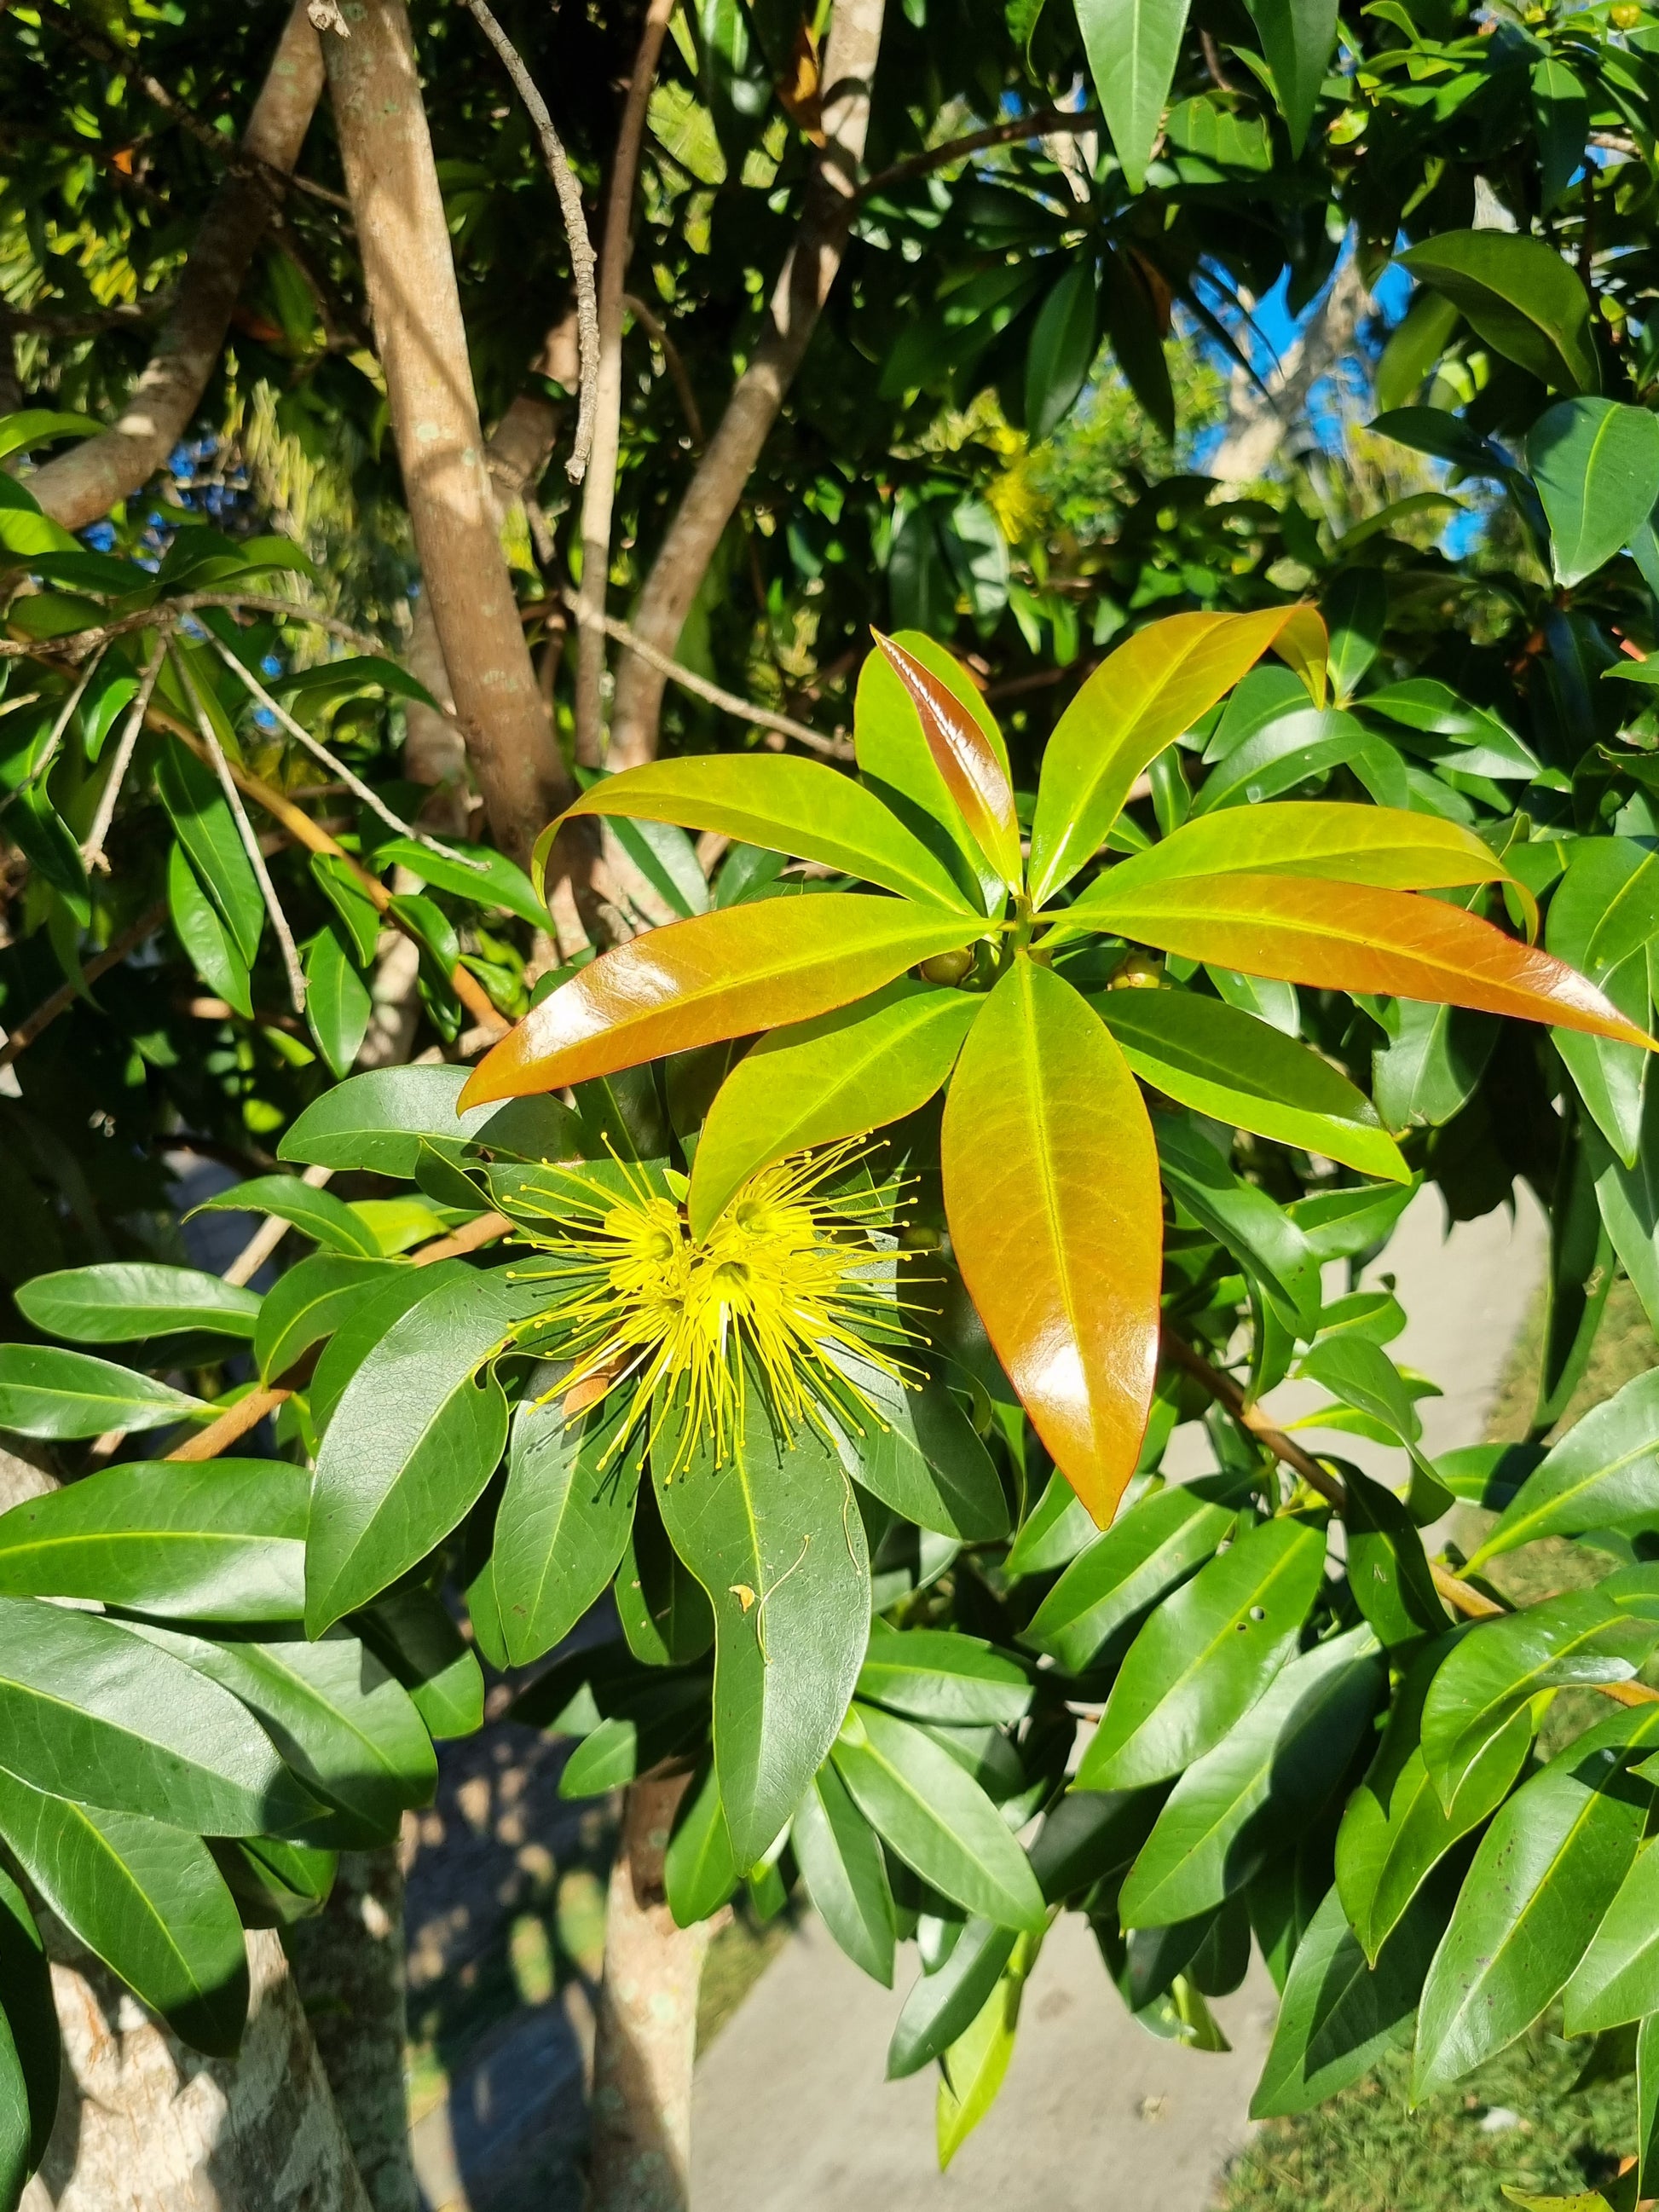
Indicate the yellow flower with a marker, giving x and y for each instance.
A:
(787, 1283)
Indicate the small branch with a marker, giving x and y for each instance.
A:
(129, 315)
(49, 752)
(1218, 76)
(296, 981)
(92, 852)
(582, 256)
(760, 718)
(657, 332)
(1050, 123)
(66, 993)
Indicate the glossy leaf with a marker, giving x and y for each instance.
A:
(1206, 1656)
(1394, 1829)
(1064, 341)
(858, 1068)
(896, 760)
(380, 1120)
(1617, 1979)
(774, 1538)
(412, 1633)
(1561, 109)
(309, 1302)
(1595, 462)
(718, 975)
(1605, 1470)
(218, 1541)
(972, 770)
(941, 2005)
(1237, 1070)
(88, 1708)
(1603, 913)
(1387, 1568)
(411, 1444)
(929, 1675)
(1156, 1544)
(1262, 1781)
(486, 878)
(799, 807)
(699, 1872)
(1132, 47)
(146, 1898)
(45, 1392)
(1547, 1870)
(1628, 1201)
(1140, 698)
(973, 2070)
(1062, 1262)
(206, 828)
(118, 1301)
(925, 1459)
(1345, 937)
(317, 1213)
(1341, 2011)
(30, 2054)
(364, 1317)
(1520, 295)
(563, 1520)
(1242, 1217)
(841, 1864)
(666, 1618)
(936, 1818)
(208, 943)
(1297, 37)
(338, 1001)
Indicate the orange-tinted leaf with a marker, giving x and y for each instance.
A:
(1352, 936)
(1056, 1218)
(795, 806)
(973, 774)
(855, 1069)
(717, 975)
(1139, 700)
(895, 764)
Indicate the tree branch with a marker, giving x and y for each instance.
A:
(657, 331)
(575, 229)
(803, 286)
(66, 993)
(90, 478)
(599, 500)
(1049, 122)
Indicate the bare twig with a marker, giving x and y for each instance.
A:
(268, 1234)
(760, 718)
(1218, 76)
(582, 256)
(598, 497)
(74, 644)
(1047, 123)
(92, 852)
(296, 981)
(66, 993)
(49, 750)
(657, 331)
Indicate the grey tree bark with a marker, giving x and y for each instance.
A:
(88, 479)
(1262, 425)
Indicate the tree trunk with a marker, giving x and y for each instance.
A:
(348, 1961)
(89, 479)
(1263, 427)
(145, 2125)
(678, 572)
(646, 2035)
(410, 277)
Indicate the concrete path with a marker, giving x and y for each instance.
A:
(792, 2114)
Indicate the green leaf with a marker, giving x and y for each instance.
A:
(1546, 1872)
(1414, 346)
(1061, 351)
(973, 2070)
(378, 1120)
(1241, 1216)
(342, 887)
(1057, 1529)
(311, 1300)
(207, 830)
(1428, 1070)
(895, 760)
(858, 1068)
(1206, 1656)
(943, 2005)
(146, 1898)
(1604, 1471)
(1561, 110)
(88, 1707)
(699, 1871)
(1577, 1637)
(218, 1541)
(1387, 1568)
(359, 1321)
(925, 1459)
(118, 1301)
(341, 1722)
(667, 1619)
(1297, 37)
(1263, 1783)
(211, 950)
(487, 878)
(1595, 462)
(1088, 1835)
(936, 1818)
(564, 1518)
(1518, 295)
(841, 1862)
(45, 1392)
(42, 426)
(1628, 1202)
(1617, 1977)
(1394, 1829)
(411, 1631)
(935, 1675)
(318, 1214)
(338, 1001)
(774, 1538)
(1235, 1069)
(1132, 47)
(1340, 2013)
(1603, 913)
(30, 2054)
(412, 1443)
(1157, 1544)
(786, 805)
